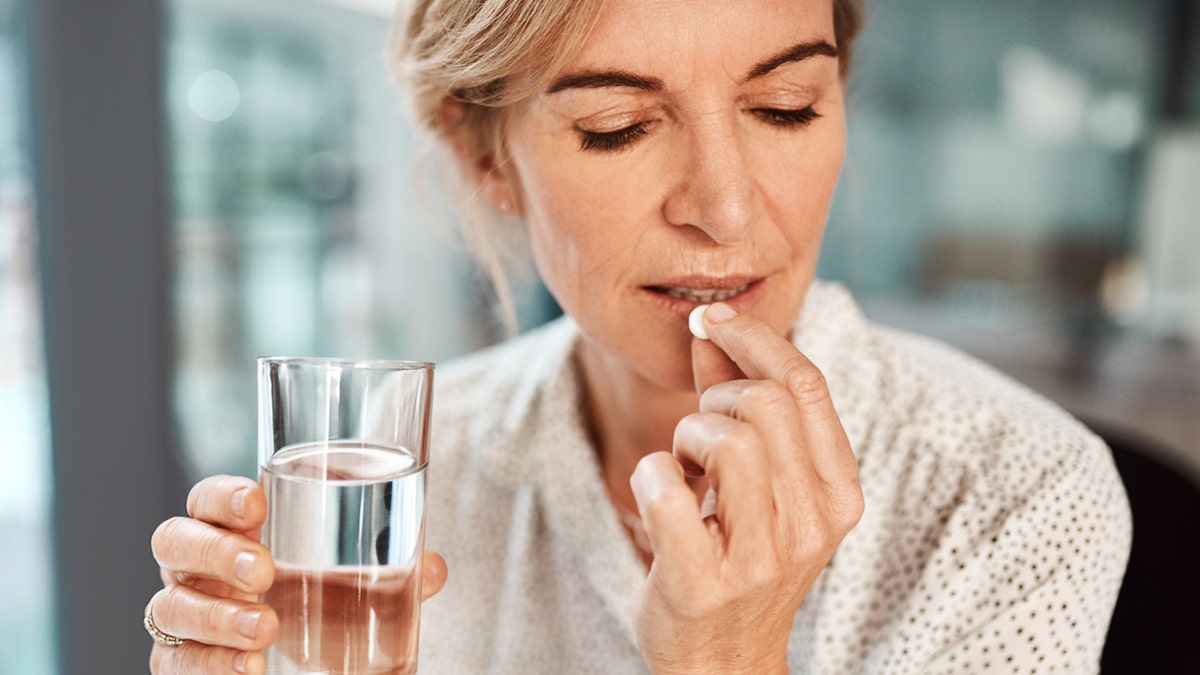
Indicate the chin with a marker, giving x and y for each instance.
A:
(678, 380)
(661, 362)
(671, 369)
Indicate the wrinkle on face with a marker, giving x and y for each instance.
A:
(599, 222)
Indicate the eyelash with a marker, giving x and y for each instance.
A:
(610, 141)
(787, 118)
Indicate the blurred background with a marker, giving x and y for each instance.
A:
(188, 184)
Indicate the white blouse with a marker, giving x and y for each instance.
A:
(994, 538)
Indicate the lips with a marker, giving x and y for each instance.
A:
(689, 290)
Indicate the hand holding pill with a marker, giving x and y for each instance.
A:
(783, 493)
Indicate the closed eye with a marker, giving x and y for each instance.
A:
(787, 118)
(609, 141)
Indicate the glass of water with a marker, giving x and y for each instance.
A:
(342, 451)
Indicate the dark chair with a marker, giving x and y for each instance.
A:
(1156, 625)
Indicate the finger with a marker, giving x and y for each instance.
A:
(195, 549)
(230, 502)
(209, 586)
(753, 346)
(762, 353)
(186, 613)
(669, 513)
(193, 658)
(433, 575)
(711, 365)
(734, 460)
(768, 407)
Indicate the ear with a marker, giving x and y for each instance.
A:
(477, 158)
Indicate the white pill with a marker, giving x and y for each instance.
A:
(696, 322)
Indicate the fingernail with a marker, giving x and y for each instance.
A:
(239, 662)
(247, 623)
(238, 503)
(718, 312)
(243, 566)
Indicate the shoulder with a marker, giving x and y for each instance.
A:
(973, 416)
(980, 492)
(488, 383)
(484, 402)
(938, 432)
(899, 391)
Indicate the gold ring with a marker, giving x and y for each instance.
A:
(160, 637)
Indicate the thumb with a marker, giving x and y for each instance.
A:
(433, 575)
(711, 365)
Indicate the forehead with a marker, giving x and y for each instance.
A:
(672, 35)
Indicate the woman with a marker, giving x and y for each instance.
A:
(802, 491)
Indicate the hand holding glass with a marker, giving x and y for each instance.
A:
(342, 454)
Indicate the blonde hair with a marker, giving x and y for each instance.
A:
(489, 55)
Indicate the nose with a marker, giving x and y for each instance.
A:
(715, 190)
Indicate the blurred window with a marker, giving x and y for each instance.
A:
(1021, 181)
(995, 149)
(1024, 162)
(27, 627)
(297, 230)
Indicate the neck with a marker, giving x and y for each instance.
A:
(629, 417)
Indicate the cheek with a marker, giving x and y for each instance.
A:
(585, 217)
(580, 243)
(800, 191)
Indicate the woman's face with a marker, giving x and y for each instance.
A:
(688, 154)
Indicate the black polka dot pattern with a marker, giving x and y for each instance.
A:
(994, 539)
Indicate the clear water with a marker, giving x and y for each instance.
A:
(345, 525)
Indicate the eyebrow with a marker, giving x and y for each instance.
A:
(597, 79)
(800, 52)
(593, 79)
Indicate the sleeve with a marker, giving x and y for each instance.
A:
(1024, 576)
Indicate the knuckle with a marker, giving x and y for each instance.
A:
(853, 506)
(846, 503)
(807, 544)
(168, 537)
(817, 537)
(207, 496)
(714, 439)
(211, 549)
(817, 544)
(763, 394)
(194, 657)
(691, 425)
(648, 466)
(664, 504)
(767, 570)
(750, 331)
(197, 495)
(734, 437)
(805, 382)
(164, 534)
(165, 608)
(213, 619)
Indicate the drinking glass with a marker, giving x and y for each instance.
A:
(342, 452)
